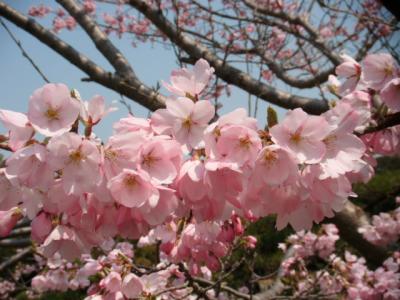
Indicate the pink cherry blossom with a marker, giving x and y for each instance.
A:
(386, 141)
(325, 196)
(130, 124)
(40, 283)
(65, 241)
(361, 103)
(165, 208)
(8, 219)
(20, 130)
(133, 188)
(190, 83)
(79, 160)
(274, 166)
(333, 84)
(52, 110)
(121, 152)
(94, 110)
(379, 69)
(112, 282)
(250, 241)
(161, 159)
(10, 195)
(302, 135)
(132, 286)
(390, 94)
(184, 119)
(225, 182)
(238, 144)
(41, 227)
(344, 150)
(351, 71)
(29, 166)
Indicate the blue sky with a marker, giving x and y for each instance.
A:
(19, 79)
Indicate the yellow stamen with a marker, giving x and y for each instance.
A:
(110, 154)
(329, 140)
(388, 70)
(245, 142)
(76, 156)
(52, 114)
(269, 156)
(187, 123)
(130, 181)
(296, 137)
(149, 160)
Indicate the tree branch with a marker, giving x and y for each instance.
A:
(393, 7)
(22, 242)
(389, 121)
(133, 89)
(348, 221)
(99, 38)
(225, 71)
(24, 53)
(14, 259)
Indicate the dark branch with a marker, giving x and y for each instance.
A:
(133, 89)
(389, 121)
(99, 38)
(348, 221)
(16, 258)
(225, 71)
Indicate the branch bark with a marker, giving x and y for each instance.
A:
(348, 221)
(14, 259)
(133, 89)
(225, 71)
(99, 38)
(389, 121)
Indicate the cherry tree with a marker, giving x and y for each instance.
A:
(190, 179)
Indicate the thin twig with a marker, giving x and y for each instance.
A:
(23, 242)
(24, 53)
(14, 259)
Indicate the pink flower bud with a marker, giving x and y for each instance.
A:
(112, 282)
(237, 225)
(132, 286)
(250, 241)
(8, 219)
(41, 227)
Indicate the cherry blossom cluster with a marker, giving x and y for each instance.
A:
(241, 22)
(6, 287)
(184, 180)
(373, 86)
(114, 276)
(199, 244)
(178, 165)
(385, 227)
(348, 276)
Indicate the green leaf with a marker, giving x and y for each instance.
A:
(272, 117)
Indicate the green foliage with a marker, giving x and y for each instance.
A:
(379, 193)
(272, 117)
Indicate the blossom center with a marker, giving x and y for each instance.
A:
(148, 160)
(76, 156)
(130, 181)
(296, 137)
(245, 142)
(52, 114)
(110, 154)
(187, 123)
(329, 141)
(269, 157)
(388, 70)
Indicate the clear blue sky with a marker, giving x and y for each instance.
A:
(18, 79)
